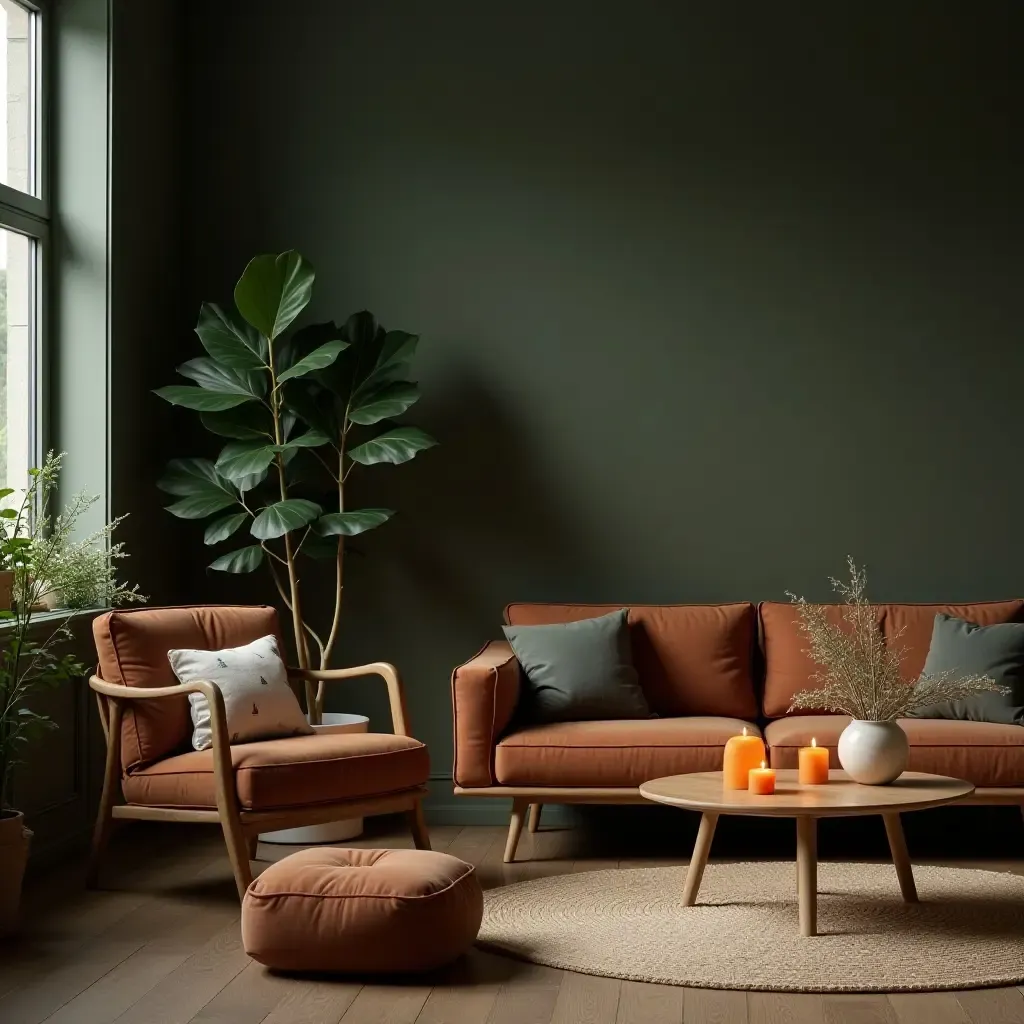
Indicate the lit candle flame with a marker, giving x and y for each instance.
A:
(744, 730)
(814, 742)
(763, 765)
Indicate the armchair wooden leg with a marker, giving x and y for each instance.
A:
(515, 827)
(238, 851)
(418, 827)
(111, 780)
(533, 822)
(252, 846)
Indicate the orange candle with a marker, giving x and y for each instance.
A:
(741, 754)
(762, 781)
(813, 764)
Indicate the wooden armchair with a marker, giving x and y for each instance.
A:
(247, 788)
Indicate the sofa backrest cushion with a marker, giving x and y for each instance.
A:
(788, 669)
(691, 659)
(132, 648)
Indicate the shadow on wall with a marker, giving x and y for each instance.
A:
(480, 522)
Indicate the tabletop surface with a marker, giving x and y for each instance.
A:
(703, 791)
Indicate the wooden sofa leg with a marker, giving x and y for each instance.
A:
(515, 827)
(533, 823)
(111, 780)
(418, 826)
(238, 852)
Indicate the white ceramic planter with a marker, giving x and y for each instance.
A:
(873, 753)
(332, 831)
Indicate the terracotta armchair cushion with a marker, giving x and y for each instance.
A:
(362, 911)
(610, 754)
(788, 669)
(327, 767)
(984, 753)
(132, 648)
(690, 659)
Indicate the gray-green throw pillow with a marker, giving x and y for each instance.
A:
(994, 651)
(578, 671)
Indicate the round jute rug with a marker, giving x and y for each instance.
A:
(966, 932)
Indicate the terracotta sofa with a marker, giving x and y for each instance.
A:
(707, 671)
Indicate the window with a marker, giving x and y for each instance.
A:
(24, 233)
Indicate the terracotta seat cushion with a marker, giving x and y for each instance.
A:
(294, 772)
(362, 911)
(981, 752)
(613, 753)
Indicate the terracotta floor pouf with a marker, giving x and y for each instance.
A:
(362, 911)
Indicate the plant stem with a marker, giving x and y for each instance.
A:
(301, 649)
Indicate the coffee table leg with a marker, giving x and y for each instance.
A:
(900, 857)
(699, 858)
(807, 873)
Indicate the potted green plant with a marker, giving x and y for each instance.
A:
(297, 411)
(32, 658)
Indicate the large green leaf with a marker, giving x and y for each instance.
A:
(399, 347)
(288, 351)
(319, 548)
(209, 374)
(194, 476)
(198, 506)
(314, 406)
(244, 458)
(200, 399)
(221, 529)
(273, 291)
(229, 339)
(242, 560)
(348, 524)
(283, 517)
(399, 444)
(245, 423)
(310, 439)
(384, 402)
(318, 359)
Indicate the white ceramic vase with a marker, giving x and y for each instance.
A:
(873, 753)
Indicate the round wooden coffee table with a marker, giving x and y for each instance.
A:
(703, 791)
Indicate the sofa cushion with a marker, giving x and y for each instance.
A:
(330, 766)
(996, 652)
(578, 670)
(361, 912)
(617, 753)
(981, 752)
(788, 669)
(691, 659)
(132, 648)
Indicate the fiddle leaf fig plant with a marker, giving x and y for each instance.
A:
(296, 410)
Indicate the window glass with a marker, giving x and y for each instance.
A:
(16, 362)
(17, 48)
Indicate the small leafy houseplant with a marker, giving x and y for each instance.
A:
(38, 548)
(859, 674)
(297, 411)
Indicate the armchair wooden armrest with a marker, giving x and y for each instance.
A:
(396, 692)
(111, 697)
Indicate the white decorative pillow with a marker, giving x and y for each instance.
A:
(260, 704)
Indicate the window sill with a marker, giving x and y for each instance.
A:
(56, 616)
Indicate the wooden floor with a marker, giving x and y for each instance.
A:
(160, 945)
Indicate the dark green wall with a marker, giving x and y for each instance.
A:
(711, 293)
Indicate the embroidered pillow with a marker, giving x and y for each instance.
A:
(260, 704)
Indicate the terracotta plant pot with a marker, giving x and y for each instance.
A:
(6, 589)
(14, 841)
